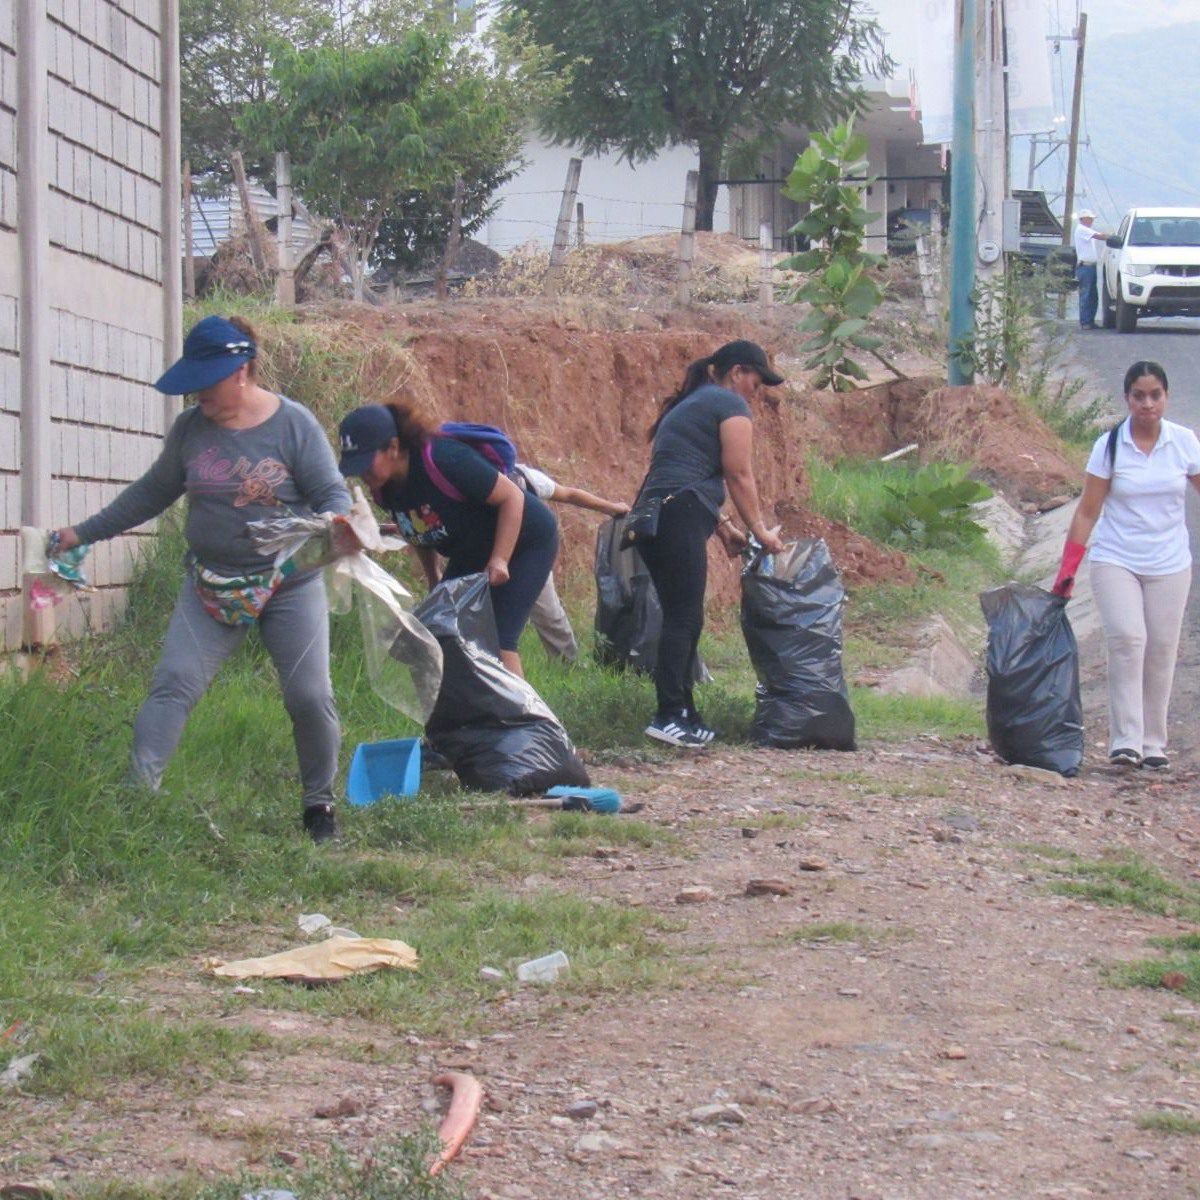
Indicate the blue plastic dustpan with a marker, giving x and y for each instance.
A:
(384, 769)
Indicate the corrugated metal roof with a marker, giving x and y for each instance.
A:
(217, 219)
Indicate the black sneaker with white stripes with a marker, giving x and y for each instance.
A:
(676, 731)
(1123, 756)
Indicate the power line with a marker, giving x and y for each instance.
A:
(1171, 183)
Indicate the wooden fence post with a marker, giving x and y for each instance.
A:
(687, 239)
(452, 242)
(189, 252)
(285, 280)
(252, 232)
(562, 230)
(579, 236)
(766, 265)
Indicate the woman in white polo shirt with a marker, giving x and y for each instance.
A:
(1141, 564)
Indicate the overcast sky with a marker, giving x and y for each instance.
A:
(1105, 18)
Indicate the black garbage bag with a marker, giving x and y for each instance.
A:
(792, 619)
(1034, 713)
(628, 613)
(496, 732)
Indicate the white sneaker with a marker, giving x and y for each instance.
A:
(675, 731)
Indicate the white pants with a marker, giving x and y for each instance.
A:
(553, 626)
(1142, 616)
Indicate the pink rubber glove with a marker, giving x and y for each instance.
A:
(1064, 585)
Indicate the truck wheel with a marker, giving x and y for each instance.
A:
(1108, 314)
(1127, 316)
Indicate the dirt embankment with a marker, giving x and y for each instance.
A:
(577, 386)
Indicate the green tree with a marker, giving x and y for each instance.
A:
(639, 75)
(484, 154)
(226, 50)
(366, 127)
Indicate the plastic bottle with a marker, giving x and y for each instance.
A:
(546, 969)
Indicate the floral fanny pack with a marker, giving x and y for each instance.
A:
(237, 599)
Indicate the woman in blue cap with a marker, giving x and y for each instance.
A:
(240, 454)
(449, 502)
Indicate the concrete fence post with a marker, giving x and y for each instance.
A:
(558, 252)
(33, 163)
(766, 265)
(687, 239)
(285, 279)
(189, 250)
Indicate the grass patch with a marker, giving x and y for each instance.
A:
(1126, 881)
(1177, 973)
(1169, 1122)
(396, 1169)
(1188, 941)
(775, 821)
(837, 931)
(895, 718)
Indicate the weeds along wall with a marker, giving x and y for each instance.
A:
(101, 307)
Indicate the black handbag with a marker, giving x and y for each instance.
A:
(641, 524)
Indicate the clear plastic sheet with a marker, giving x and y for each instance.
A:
(404, 661)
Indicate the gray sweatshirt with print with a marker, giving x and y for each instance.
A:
(230, 477)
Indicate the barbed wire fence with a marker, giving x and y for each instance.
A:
(585, 218)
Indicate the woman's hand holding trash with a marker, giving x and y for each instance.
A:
(497, 571)
(67, 539)
(769, 539)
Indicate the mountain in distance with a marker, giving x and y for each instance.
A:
(1141, 119)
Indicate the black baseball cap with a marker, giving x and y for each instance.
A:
(362, 434)
(745, 354)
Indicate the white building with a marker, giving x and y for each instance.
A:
(620, 201)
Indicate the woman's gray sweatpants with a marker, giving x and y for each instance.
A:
(294, 627)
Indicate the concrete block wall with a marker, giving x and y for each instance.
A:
(103, 282)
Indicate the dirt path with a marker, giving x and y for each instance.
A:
(919, 1018)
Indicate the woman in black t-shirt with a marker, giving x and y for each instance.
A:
(463, 510)
(701, 443)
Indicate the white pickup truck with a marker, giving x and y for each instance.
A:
(1151, 267)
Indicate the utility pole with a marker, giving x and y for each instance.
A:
(962, 197)
(991, 142)
(1073, 144)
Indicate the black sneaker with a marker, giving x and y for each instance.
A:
(675, 731)
(1156, 762)
(1125, 757)
(320, 823)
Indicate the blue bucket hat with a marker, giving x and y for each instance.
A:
(213, 351)
(362, 434)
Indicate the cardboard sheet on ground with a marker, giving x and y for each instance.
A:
(404, 662)
(324, 962)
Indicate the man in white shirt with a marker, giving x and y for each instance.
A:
(1086, 257)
